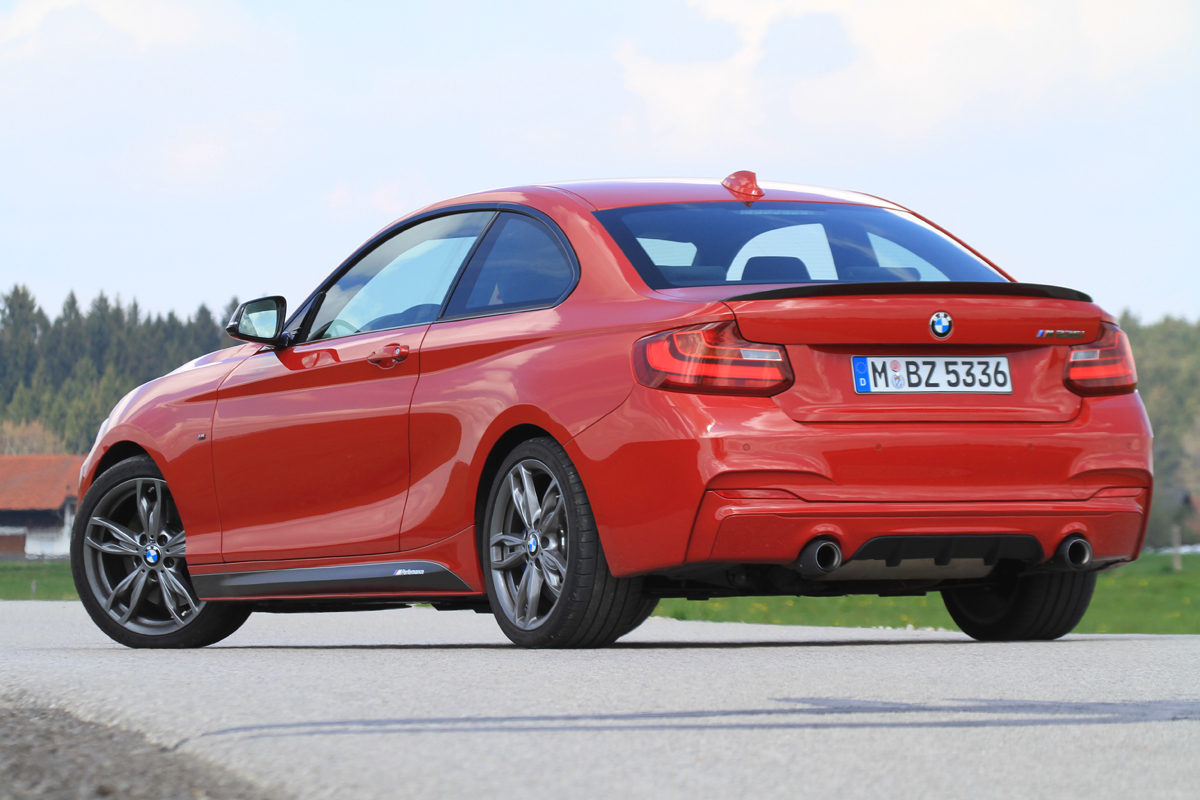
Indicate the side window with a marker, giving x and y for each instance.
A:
(403, 281)
(665, 253)
(520, 264)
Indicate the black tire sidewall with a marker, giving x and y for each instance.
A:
(1042, 607)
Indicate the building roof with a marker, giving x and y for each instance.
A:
(38, 483)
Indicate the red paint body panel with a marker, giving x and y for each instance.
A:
(648, 465)
(322, 459)
(165, 418)
(904, 319)
(310, 449)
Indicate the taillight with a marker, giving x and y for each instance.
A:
(711, 359)
(1103, 367)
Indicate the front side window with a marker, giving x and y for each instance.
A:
(716, 244)
(520, 264)
(403, 281)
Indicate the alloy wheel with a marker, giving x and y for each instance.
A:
(528, 541)
(133, 559)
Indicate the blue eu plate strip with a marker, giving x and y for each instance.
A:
(862, 379)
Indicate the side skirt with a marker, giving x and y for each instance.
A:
(388, 577)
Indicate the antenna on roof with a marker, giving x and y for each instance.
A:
(744, 186)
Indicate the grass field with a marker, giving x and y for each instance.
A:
(1143, 597)
(53, 580)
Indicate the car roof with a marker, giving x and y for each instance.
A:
(604, 194)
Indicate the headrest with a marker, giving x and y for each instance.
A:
(775, 269)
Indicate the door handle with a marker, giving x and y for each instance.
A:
(389, 355)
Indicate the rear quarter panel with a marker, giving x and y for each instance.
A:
(560, 369)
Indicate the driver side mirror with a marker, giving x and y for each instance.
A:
(258, 320)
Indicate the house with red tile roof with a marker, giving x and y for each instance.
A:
(38, 497)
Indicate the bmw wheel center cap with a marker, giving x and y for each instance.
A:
(940, 325)
(532, 543)
(151, 555)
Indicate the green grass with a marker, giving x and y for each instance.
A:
(53, 580)
(1142, 597)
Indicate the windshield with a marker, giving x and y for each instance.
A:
(715, 244)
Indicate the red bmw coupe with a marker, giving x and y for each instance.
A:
(559, 404)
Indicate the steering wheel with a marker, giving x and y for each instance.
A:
(329, 332)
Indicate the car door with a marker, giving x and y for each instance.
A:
(310, 443)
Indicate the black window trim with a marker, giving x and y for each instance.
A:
(572, 260)
(366, 247)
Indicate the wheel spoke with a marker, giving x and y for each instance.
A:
(156, 512)
(533, 510)
(553, 580)
(120, 589)
(175, 546)
(519, 500)
(553, 564)
(123, 534)
(507, 540)
(168, 597)
(117, 548)
(533, 594)
(143, 506)
(551, 504)
(178, 587)
(519, 599)
(511, 560)
(135, 597)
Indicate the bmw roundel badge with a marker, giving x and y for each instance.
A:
(940, 325)
(151, 555)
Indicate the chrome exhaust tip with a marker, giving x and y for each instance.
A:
(1074, 553)
(819, 557)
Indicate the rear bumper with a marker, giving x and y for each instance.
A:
(661, 469)
(750, 531)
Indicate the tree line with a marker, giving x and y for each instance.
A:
(59, 378)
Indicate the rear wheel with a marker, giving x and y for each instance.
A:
(128, 561)
(547, 579)
(644, 611)
(1031, 608)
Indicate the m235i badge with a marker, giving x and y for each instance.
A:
(1051, 334)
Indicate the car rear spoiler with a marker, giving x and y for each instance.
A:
(842, 289)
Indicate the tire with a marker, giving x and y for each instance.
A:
(130, 569)
(644, 611)
(547, 579)
(1033, 608)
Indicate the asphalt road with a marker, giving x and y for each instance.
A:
(426, 704)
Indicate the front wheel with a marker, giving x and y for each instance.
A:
(1031, 608)
(128, 561)
(547, 579)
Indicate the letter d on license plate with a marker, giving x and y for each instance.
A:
(930, 374)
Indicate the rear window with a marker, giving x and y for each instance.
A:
(714, 244)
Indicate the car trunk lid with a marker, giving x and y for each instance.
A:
(825, 326)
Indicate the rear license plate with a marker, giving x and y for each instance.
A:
(931, 374)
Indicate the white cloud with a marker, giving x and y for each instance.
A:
(149, 22)
(917, 65)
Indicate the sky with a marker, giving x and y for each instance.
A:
(186, 152)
